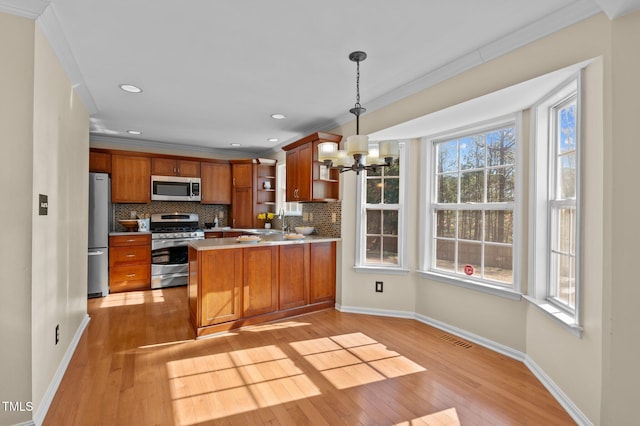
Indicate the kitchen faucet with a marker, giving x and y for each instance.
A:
(283, 221)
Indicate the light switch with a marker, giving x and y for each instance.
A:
(43, 204)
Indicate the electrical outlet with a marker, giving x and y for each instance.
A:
(334, 218)
(378, 286)
(305, 217)
(57, 334)
(310, 217)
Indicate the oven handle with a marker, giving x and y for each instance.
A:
(177, 242)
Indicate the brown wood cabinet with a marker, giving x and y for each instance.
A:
(322, 286)
(218, 278)
(234, 287)
(215, 183)
(242, 215)
(260, 280)
(129, 262)
(99, 162)
(175, 167)
(294, 275)
(307, 178)
(130, 179)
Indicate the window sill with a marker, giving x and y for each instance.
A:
(471, 285)
(560, 317)
(387, 270)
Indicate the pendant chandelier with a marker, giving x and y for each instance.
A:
(357, 146)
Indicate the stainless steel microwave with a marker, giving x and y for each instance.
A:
(175, 188)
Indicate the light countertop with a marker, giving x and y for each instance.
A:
(272, 239)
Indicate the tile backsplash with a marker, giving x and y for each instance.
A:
(319, 215)
(206, 212)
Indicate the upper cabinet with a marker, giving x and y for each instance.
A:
(307, 178)
(174, 167)
(130, 179)
(99, 162)
(216, 183)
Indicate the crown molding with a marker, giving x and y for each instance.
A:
(50, 26)
(617, 8)
(150, 145)
(26, 8)
(549, 24)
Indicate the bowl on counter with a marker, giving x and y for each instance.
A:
(130, 225)
(305, 230)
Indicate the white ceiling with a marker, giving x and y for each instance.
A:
(213, 71)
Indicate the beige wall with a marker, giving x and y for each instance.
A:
(45, 141)
(597, 372)
(60, 170)
(16, 207)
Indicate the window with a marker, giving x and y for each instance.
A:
(555, 230)
(471, 207)
(290, 209)
(380, 241)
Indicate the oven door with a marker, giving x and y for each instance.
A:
(169, 262)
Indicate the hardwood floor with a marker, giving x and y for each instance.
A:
(137, 364)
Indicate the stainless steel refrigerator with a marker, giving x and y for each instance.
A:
(99, 225)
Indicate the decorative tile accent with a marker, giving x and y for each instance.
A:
(321, 214)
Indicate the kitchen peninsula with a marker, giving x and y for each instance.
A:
(234, 284)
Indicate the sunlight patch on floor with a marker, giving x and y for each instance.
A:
(220, 385)
(128, 298)
(354, 359)
(442, 418)
(275, 326)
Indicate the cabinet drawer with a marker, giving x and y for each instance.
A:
(129, 277)
(133, 254)
(130, 240)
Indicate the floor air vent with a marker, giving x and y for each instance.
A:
(455, 341)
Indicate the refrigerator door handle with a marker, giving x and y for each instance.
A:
(96, 253)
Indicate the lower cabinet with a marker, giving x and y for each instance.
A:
(129, 262)
(294, 275)
(260, 290)
(234, 287)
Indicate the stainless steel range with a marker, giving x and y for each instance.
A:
(170, 236)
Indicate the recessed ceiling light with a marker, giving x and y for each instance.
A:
(235, 144)
(130, 88)
(272, 140)
(134, 132)
(278, 116)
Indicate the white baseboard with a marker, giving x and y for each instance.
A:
(573, 411)
(43, 407)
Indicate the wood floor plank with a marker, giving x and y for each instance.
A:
(138, 363)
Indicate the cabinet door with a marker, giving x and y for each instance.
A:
(293, 275)
(260, 291)
(99, 162)
(242, 208)
(164, 167)
(188, 168)
(305, 157)
(220, 285)
(292, 175)
(323, 272)
(130, 179)
(242, 175)
(216, 183)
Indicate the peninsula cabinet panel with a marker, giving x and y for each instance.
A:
(293, 274)
(260, 291)
(220, 285)
(130, 179)
(216, 183)
(323, 272)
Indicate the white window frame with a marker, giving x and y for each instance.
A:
(428, 191)
(290, 208)
(361, 264)
(542, 204)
